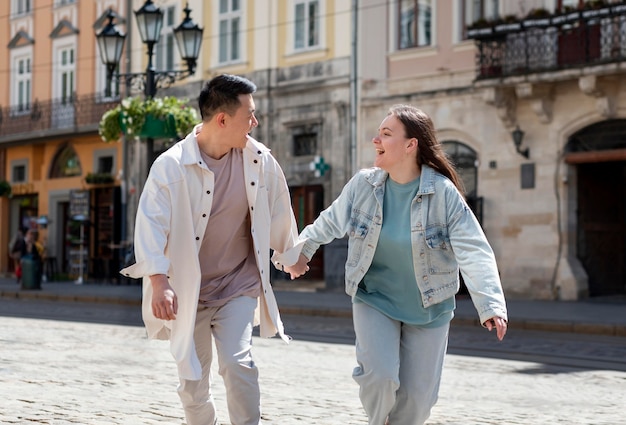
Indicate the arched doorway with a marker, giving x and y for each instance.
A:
(465, 160)
(598, 155)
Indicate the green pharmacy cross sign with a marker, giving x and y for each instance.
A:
(319, 166)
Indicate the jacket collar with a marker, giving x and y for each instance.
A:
(377, 177)
(191, 151)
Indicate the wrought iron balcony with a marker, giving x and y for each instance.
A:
(551, 42)
(53, 118)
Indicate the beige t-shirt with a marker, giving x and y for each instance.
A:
(227, 261)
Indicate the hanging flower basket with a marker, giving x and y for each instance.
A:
(154, 127)
(156, 118)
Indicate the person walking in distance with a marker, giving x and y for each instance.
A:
(409, 231)
(213, 206)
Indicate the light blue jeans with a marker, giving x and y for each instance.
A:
(231, 327)
(399, 367)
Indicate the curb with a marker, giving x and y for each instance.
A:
(606, 329)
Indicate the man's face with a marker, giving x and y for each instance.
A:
(242, 122)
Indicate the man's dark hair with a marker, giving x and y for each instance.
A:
(221, 94)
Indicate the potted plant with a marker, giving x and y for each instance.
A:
(537, 18)
(166, 117)
(5, 188)
(99, 178)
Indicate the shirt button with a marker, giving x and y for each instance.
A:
(422, 255)
(259, 152)
(256, 162)
(208, 192)
(425, 278)
(203, 215)
(197, 238)
(252, 208)
(419, 199)
(252, 183)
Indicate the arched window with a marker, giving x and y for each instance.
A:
(465, 160)
(65, 163)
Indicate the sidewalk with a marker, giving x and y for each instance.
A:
(594, 316)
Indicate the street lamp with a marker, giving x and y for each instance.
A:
(149, 22)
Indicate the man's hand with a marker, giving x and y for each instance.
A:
(164, 300)
(297, 269)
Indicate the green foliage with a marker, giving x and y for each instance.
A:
(5, 188)
(96, 178)
(130, 115)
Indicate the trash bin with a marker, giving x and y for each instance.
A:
(31, 273)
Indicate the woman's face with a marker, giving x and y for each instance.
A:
(392, 145)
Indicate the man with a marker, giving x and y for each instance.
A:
(212, 207)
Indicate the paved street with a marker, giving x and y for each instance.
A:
(82, 372)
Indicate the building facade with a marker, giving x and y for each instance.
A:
(51, 153)
(527, 97)
(553, 206)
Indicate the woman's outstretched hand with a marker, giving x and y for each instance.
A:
(298, 269)
(499, 324)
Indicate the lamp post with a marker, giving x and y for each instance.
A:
(149, 19)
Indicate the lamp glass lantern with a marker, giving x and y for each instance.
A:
(149, 22)
(188, 39)
(111, 43)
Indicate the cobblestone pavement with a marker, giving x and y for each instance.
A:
(64, 372)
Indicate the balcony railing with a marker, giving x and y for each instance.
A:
(78, 114)
(551, 43)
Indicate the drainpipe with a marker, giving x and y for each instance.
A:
(125, 239)
(353, 88)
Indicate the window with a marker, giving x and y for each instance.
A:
(304, 139)
(21, 7)
(23, 82)
(65, 163)
(165, 47)
(104, 161)
(414, 23)
(465, 161)
(304, 144)
(64, 2)
(476, 10)
(18, 172)
(230, 17)
(307, 24)
(105, 165)
(66, 66)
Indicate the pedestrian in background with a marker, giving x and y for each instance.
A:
(410, 230)
(16, 247)
(212, 207)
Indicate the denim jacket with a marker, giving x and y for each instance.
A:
(445, 236)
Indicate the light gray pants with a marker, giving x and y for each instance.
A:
(399, 367)
(231, 327)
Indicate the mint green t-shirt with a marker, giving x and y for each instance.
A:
(389, 285)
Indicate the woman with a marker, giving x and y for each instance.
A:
(410, 230)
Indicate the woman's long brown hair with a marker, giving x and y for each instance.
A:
(418, 124)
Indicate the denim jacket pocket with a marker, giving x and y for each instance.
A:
(441, 259)
(360, 224)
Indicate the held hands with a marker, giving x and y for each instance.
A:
(164, 300)
(499, 324)
(297, 269)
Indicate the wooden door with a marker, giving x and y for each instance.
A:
(307, 203)
(601, 239)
